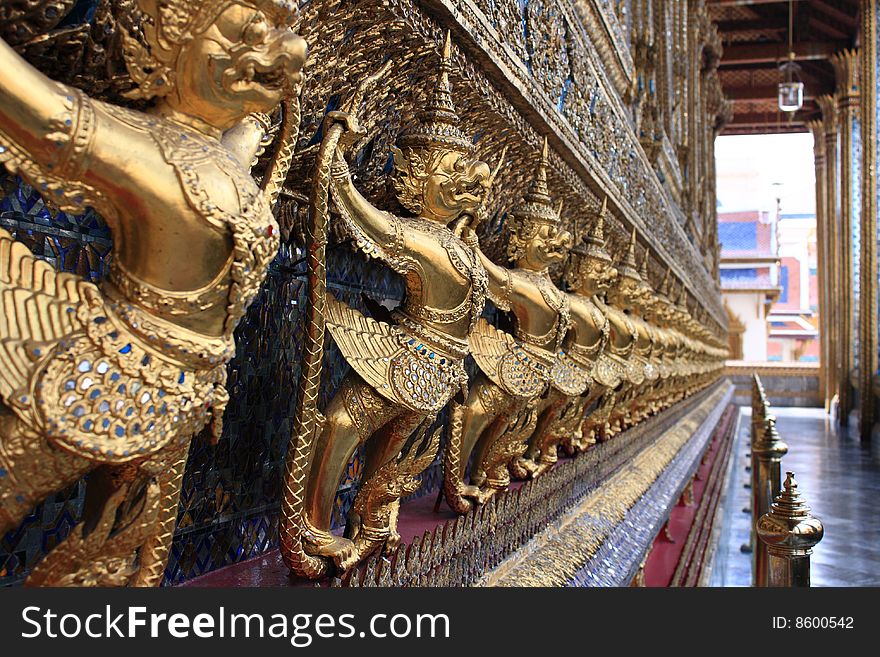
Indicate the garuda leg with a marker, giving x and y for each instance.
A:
(353, 415)
(548, 410)
(388, 477)
(484, 403)
(578, 439)
(121, 509)
(502, 444)
(168, 473)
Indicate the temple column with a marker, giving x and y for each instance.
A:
(868, 325)
(818, 131)
(829, 247)
(846, 73)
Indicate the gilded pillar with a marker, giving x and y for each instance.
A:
(867, 328)
(846, 73)
(821, 236)
(829, 248)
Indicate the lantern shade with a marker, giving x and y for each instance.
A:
(791, 96)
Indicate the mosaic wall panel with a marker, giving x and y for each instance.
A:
(856, 238)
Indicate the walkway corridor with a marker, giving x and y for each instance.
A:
(839, 478)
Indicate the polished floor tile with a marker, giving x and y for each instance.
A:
(838, 476)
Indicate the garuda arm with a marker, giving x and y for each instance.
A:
(40, 122)
(46, 134)
(377, 233)
(501, 284)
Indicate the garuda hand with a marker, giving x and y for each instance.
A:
(352, 130)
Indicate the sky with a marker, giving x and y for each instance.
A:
(753, 170)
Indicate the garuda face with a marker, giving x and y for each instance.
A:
(627, 293)
(548, 246)
(457, 185)
(592, 275)
(243, 61)
(440, 184)
(221, 61)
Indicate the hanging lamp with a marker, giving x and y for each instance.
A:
(791, 90)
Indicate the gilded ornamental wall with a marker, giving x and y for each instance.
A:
(625, 93)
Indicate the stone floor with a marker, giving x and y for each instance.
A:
(839, 478)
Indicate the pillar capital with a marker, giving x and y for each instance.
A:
(817, 128)
(846, 77)
(828, 106)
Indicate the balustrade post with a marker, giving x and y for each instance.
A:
(767, 453)
(789, 532)
(759, 407)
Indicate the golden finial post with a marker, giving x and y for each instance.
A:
(767, 452)
(789, 532)
(758, 403)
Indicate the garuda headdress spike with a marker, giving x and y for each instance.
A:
(536, 210)
(627, 266)
(437, 126)
(594, 243)
(643, 269)
(537, 206)
(682, 298)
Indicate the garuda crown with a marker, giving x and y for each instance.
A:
(535, 211)
(593, 245)
(626, 268)
(437, 126)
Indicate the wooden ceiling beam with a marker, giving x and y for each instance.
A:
(835, 13)
(766, 53)
(745, 3)
(728, 36)
(826, 28)
(766, 118)
(752, 25)
(761, 92)
(764, 128)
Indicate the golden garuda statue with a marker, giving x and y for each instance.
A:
(403, 371)
(655, 312)
(500, 411)
(641, 369)
(112, 380)
(589, 273)
(626, 299)
(617, 368)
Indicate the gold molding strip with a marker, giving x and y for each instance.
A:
(867, 329)
(554, 556)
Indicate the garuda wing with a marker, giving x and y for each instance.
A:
(38, 310)
(514, 368)
(368, 345)
(395, 364)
